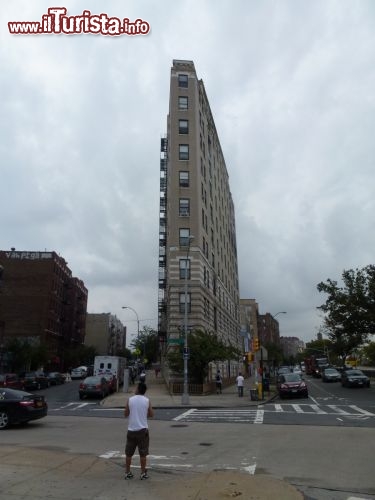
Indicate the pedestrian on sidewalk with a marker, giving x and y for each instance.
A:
(142, 377)
(240, 382)
(138, 408)
(219, 382)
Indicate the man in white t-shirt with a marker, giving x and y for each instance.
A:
(138, 408)
(240, 381)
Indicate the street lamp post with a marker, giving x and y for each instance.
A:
(185, 394)
(280, 312)
(134, 311)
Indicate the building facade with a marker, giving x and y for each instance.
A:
(106, 333)
(291, 346)
(197, 237)
(41, 302)
(249, 311)
(268, 329)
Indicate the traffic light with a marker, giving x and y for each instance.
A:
(249, 357)
(256, 344)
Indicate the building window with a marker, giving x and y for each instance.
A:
(184, 207)
(183, 103)
(183, 81)
(183, 126)
(184, 179)
(184, 237)
(183, 152)
(182, 303)
(184, 269)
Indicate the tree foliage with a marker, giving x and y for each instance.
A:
(369, 353)
(203, 347)
(146, 345)
(349, 309)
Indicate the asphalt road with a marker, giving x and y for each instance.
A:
(323, 462)
(327, 405)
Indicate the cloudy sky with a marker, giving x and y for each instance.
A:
(291, 86)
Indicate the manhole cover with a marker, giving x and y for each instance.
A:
(179, 425)
(205, 444)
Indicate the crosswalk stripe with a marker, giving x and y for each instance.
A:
(318, 410)
(298, 408)
(338, 410)
(198, 415)
(363, 412)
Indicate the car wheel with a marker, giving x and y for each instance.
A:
(4, 420)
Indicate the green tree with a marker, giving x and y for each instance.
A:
(203, 347)
(349, 309)
(275, 353)
(369, 353)
(146, 345)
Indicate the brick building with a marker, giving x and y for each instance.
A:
(41, 302)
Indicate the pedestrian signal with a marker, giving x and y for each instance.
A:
(256, 344)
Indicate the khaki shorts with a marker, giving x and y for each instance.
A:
(140, 439)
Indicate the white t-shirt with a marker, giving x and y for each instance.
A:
(240, 381)
(138, 406)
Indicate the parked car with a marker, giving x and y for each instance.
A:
(18, 407)
(291, 384)
(10, 380)
(283, 369)
(34, 380)
(112, 382)
(94, 386)
(297, 369)
(78, 373)
(56, 378)
(354, 378)
(331, 375)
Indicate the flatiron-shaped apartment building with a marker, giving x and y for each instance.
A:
(197, 237)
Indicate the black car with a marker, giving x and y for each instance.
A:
(354, 378)
(56, 378)
(34, 380)
(17, 407)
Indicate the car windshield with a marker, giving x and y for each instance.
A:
(331, 370)
(356, 373)
(292, 377)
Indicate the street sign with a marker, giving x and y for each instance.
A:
(176, 341)
(186, 350)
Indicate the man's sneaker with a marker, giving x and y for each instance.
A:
(129, 475)
(144, 475)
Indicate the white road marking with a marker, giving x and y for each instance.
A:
(204, 415)
(298, 409)
(184, 415)
(259, 417)
(317, 409)
(364, 412)
(338, 410)
(246, 467)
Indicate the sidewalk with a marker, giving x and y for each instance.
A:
(160, 397)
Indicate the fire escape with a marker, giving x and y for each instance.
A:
(162, 298)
